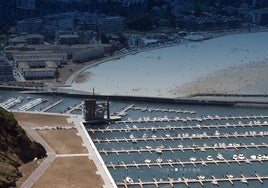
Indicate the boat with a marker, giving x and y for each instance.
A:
(129, 179)
(201, 177)
(127, 130)
(148, 147)
(153, 136)
(148, 161)
(215, 182)
(153, 129)
(158, 150)
(209, 158)
(193, 159)
(244, 180)
(241, 156)
(169, 161)
(28, 98)
(220, 157)
(253, 157)
(202, 149)
(144, 135)
(167, 135)
(235, 157)
(159, 160)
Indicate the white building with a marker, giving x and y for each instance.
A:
(40, 56)
(37, 70)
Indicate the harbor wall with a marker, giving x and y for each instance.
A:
(188, 101)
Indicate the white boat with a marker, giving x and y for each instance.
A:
(253, 157)
(193, 159)
(201, 177)
(241, 156)
(202, 149)
(129, 179)
(215, 182)
(169, 161)
(167, 135)
(209, 158)
(148, 147)
(235, 157)
(144, 135)
(244, 180)
(153, 136)
(159, 160)
(158, 150)
(148, 161)
(220, 157)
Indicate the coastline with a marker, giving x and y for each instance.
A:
(136, 75)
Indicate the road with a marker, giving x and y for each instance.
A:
(51, 156)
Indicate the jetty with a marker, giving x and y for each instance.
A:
(183, 149)
(181, 127)
(52, 106)
(187, 181)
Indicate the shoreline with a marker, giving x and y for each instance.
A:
(210, 35)
(108, 79)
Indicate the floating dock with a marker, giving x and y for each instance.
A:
(187, 181)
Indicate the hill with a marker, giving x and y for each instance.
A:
(15, 149)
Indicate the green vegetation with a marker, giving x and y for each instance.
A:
(15, 149)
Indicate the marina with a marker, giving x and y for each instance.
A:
(170, 145)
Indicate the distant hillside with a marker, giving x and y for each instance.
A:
(15, 149)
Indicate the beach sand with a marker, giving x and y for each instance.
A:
(250, 78)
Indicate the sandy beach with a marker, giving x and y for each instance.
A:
(230, 64)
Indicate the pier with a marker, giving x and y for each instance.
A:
(181, 163)
(183, 149)
(182, 137)
(191, 119)
(163, 110)
(182, 127)
(183, 180)
(52, 106)
(76, 107)
(123, 112)
(32, 104)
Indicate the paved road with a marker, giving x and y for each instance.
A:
(51, 155)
